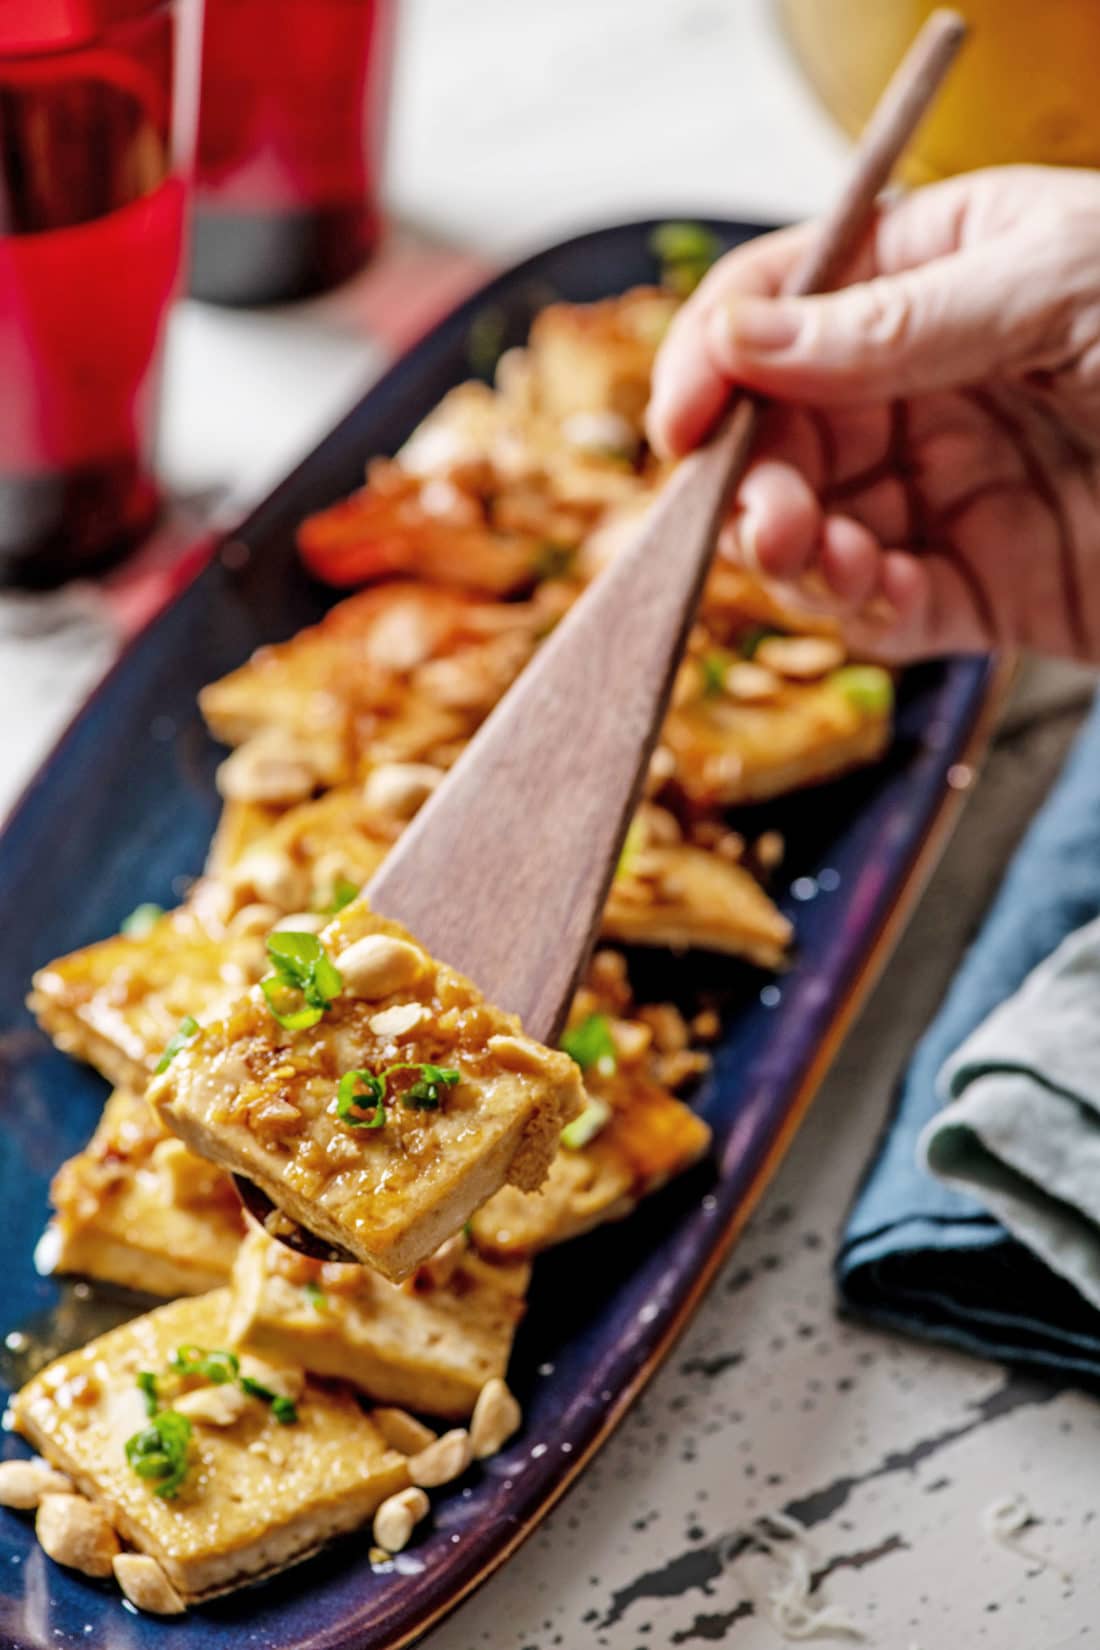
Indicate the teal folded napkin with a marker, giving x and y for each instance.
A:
(998, 1250)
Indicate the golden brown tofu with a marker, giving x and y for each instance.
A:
(342, 1122)
(394, 674)
(428, 1344)
(256, 1495)
(669, 892)
(136, 1208)
(598, 358)
(729, 750)
(118, 1004)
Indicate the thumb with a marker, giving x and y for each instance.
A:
(949, 322)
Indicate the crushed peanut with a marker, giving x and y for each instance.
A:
(398, 1516)
(496, 1417)
(24, 1483)
(445, 1459)
(379, 964)
(75, 1532)
(402, 1431)
(145, 1584)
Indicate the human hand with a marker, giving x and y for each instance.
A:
(928, 469)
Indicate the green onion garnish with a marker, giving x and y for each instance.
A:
(343, 892)
(485, 340)
(865, 686)
(587, 1126)
(360, 1100)
(361, 1097)
(553, 561)
(633, 844)
(685, 251)
(591, 1045)
(188, 1028)
(749, 640)
(142, 919)
(160, 1452)
(305, 981)
(215, 1367)
(315, 1295)
(283, 1409)
(147, 1386)
(714, 667)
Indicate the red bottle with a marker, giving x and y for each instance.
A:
(294, 102)
(96, 130)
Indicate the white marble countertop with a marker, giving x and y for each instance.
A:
(515, 124)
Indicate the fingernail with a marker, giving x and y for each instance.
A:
(756, 326)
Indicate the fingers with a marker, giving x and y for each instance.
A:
(941, 298)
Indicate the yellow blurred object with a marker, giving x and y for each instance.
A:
(1024, 88)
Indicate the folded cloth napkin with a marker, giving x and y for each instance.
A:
(1023, 1132)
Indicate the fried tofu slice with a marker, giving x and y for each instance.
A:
(670, 892)
(731, 747)
(428, 1344)
(136, 1208)
(393, 1178)
(401, 673)
(256, 1496)
(598, 358)
(118, 1003)
(634, 1137)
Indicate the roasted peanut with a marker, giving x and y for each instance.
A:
(146, 1586)
(496, 1417)
(398, 1516)
(445, 1459)
(802, 658)
(398, 789)
(213, 1406)
(379, 964)
(74, 1531)
(750, 682)
(395, 1021)
(24, 1483)
(263, 770)
(402, 1431)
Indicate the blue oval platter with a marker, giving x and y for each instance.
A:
(123, 812)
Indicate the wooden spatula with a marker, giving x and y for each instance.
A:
(505, 872)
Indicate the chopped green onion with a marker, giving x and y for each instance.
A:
(343, 892)
(685, 251)
(425, 1093)
(591, 1045)
(587, 1126)
(357, 1089)
(867, 687)
(160, 1452)
(315, 1295)
(142, 920)
(188, 1028)
(633, 843)
(147, 1386)
(216, 1367)
(553, 561)
(714, 667)
(749, 640)
(283, 1409)
(304, 974)
(485, 340)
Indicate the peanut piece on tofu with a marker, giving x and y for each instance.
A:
(402, 1431)
(442, 1461)
(399, 788)
(24, 1483)
(213, 1406)
(378, 964)
(496, 1417)
(73, 1531)
(398, 1516)
(146, 1586)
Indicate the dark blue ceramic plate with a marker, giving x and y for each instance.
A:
(123, 812)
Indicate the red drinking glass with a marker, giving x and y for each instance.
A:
(294, 101)
(96, 135)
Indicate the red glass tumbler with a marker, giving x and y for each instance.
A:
(97, 109)
(294, 101)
